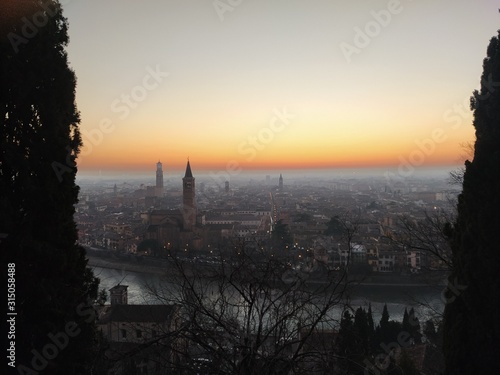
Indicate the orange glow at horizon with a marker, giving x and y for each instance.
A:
(298, 157)
(351, 146)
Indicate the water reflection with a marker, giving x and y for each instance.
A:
(425, 299)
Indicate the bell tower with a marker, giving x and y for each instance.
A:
(188, 199)
(159, 180)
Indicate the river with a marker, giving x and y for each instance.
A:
(396, 297)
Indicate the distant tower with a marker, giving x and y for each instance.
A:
(188, 199)
(280, 184)
(226, 186)
(159, 180)
(115, 190)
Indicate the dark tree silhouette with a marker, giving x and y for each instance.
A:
(347, 340)
(471, 324)
(249, 313)
(362, 331)
(39, 142)
(430, 331)
(384, 319)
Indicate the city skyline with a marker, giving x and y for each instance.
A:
(259, 86)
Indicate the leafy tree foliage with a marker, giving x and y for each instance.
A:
(471, 324)
(39, 142)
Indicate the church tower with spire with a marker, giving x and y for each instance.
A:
(189, 211)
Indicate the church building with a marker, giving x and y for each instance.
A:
(177, 228)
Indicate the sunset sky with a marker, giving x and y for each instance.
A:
(276, 84)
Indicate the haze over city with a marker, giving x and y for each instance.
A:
(276, 85)
(250, 187)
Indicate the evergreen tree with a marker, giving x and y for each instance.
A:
(347, 343)
(406, 321)
(371, 330)
(384, 319)
(387, 330)
(430, 331)
(385, 336)
(361, 331)
(471, 324)
(414, 326)
(370, 319)
(39, 143)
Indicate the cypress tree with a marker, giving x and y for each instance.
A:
(371, 325)
(471, 324)
(414, 326)
(39, 143)
(384, 319)
(385, 335)
(406, 321)
(430, 331)
(374, 342)
(361, 331)
(347, 342)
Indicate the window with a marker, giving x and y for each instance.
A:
(138, 333)
(123, 333)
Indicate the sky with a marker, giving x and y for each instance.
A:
(238, 85)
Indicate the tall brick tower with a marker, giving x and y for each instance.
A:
(159, 180)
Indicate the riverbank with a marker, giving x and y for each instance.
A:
(109, 260)
(118, 264)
